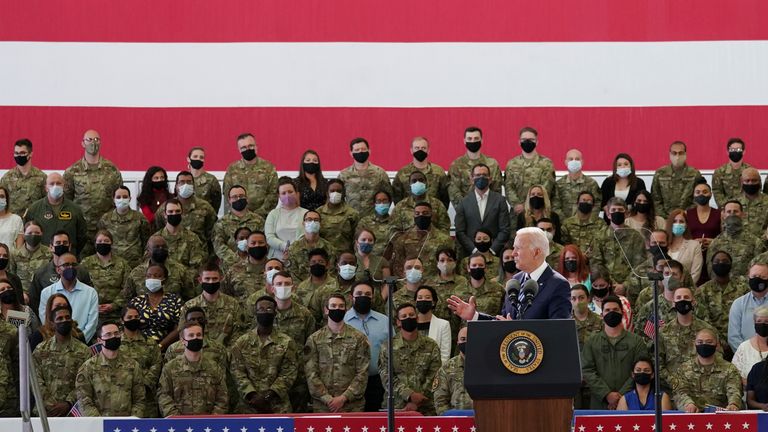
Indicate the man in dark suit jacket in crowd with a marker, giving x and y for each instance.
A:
(482, 208)
(552, 299)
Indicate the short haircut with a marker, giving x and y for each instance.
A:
(431, 290)
(685, 147)
(401, 307)
(451, 252)
(476, 255)
(174, 201)
(358, 140)
(473, 129)
(23, 142)
(183, 173)
(318, 252)
(266, 298)
(237, 186)
(193, 149)
(423, 204)
(161, 267)
(733, 201)
(582, 193)
(335, 296)
(730, 141)
(241, 229)
(211, 266)
(282, 273)
(285, 180)
(122, 187)
(529, 129)
(581, 287)
(194, 309)
(480, 165)
(106, 323)
(105, 233)
(358, 283)
(538, 238)
(244, 136)
(613, 299)
(60, 233)
(616, 201)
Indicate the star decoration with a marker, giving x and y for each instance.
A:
(347, 429)
(310, 429)
(117, 429)
(437, 428)
(690, 426)
(189, 429)
(400, 429)
(472, 429)
(418, 428)
(599, 428)
(673, 427)
(279, 429)
(653, 427)
(745, 425)
(383, 429)
(727, 426)
(709, 426)
(226, 429)
(171, 430)
(328, 429)
(454, 429)
(365, 428)
(135, 430)
(207, 429)
(617, 427)
(151, 430)
(582, 428)
(261, 429)
(636, 427)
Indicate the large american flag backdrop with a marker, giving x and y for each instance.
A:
(156, 78)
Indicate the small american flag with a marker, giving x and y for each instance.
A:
(76, 410)
(650, 328)
(95, 348)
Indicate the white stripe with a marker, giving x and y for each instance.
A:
(384, 74)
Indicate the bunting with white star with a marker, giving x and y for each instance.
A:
(718, 422)
(198, 424)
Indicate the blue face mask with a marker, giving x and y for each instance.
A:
(678, 229)
(366, 248)
(382, 209)
(418, 188)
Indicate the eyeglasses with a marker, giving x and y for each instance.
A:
(92, 140)
(67, 265)
(265, 310)
(111, 335)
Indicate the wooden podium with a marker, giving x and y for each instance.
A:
(522, 375)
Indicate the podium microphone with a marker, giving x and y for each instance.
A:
(528, 293)
(512, 288)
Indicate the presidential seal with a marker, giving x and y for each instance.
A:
(521, 352)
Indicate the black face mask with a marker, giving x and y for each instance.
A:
(473, 146)
(210, 287)
(510, 266)
(462, 346)
(240, 204)
(249, 154)
(4, 263)
(317, 270)
(409, 324)
(536, 202)
(160, 185)
(683, 307)
(571, 265)
(617, 218)
(422, 222)
(706, 350)
(174, 219)
(195, 345)
(642, 208)
(483, 246)
(159, 255)
(60, 250)
(599, 292)
(642, 378)
(751, 189)
(424, 306)
(659, 251)
(196, 164)
(721, 269)
(132, 325)
(420, 155)
(735, 156)
(336, 315)
(64, 328)
(477, 273)
(8, 297)
(21, 160)
(112, 344)
(311, 167)
(761, 329)
(757, 284)
(702, 199)
(586, 207)
(528, 145)
(258, 252)
(361, 157)
(612, 319)
(103, 249)
(265, 319)
(362, 304)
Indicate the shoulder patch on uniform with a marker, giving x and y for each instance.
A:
(65, 215)
(48, 215)
(435, 383)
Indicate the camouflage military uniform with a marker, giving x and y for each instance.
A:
(207, 187)
(214, 351)
(460, 176)
(24, 190)
(224, 231)
(609, 253)
(336, 364)
(755, 214)
(9, 340)
(458, 286)
(673, 189)
(726, 182)
(109, 279)
(607, 364)
(259, 179)
(415, 366)
(521, 173)
(592, 324)
(91, 187)
(130, 233)
(261, 365)
(567, 191)
(489, 296)
(718, 384)
(111, 387)
(437, 183)
(402, 295)
(192, 388)
(644, 312)
(185, 248)
(24, 263)
(742, 249)
(676, 344)
(715, 300)
(297, 263)
(587, 235)
(67, 216)
(361, 186)
(382, 227)
(402, 215)
(147, 354)
(57, 365)
(338, 226)
(198, 216)
(297, 322)
(314, 296)
(226, 317)
(177, 282)
(448, 388)
(243, 279)
(423, 244)
(553, 259)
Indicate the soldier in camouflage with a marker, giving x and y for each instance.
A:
(238, 216)
(726, 180)
(313, 291)
(569, 188)
(421, 240)
(402, 215)
(110, 384)
(363, 179)
(47, 275)
(193, 383)
(339, 219)
(735, 240)
(179, 280)
(257, 175)
(587, 324)
(246, 277)
(717, 294)
(584, 228)
(146, 353)
(199, 216)
(448, 387)
(754, 203)
(460, 171)
(413, 269)
(24, 182)
(183, 245)
(298, 253)
(130, 227)
(336, 362)
(527, 169)
(110, 274)
(434, 173)
(30, 256)
(672, 185)
(489, 294)
(380, 222)
(207, 186)
(617, 241)
(9, 403)
(214, 350)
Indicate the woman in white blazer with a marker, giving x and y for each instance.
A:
(435, 328)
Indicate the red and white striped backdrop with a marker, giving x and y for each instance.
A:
(604, 76)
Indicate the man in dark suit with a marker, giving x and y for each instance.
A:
(482, 208)
(553, 297)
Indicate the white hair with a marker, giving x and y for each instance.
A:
(760, 312)
(538, 238)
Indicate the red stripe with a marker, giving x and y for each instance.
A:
(138, 137)
(390, 21)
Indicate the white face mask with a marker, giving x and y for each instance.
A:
(624, 172)
(153, 285)
(312, 227)
(347, 271)
(56, 191)
(413, 276)
(334, 197)
(122, 203)
(3, 203)
(271, 274)
(283, 292)
(242, 245)
(574, 166)
(186, 190)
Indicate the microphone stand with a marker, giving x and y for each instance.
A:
(391, 282)
(656, 277)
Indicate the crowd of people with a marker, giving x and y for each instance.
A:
(279, 306)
